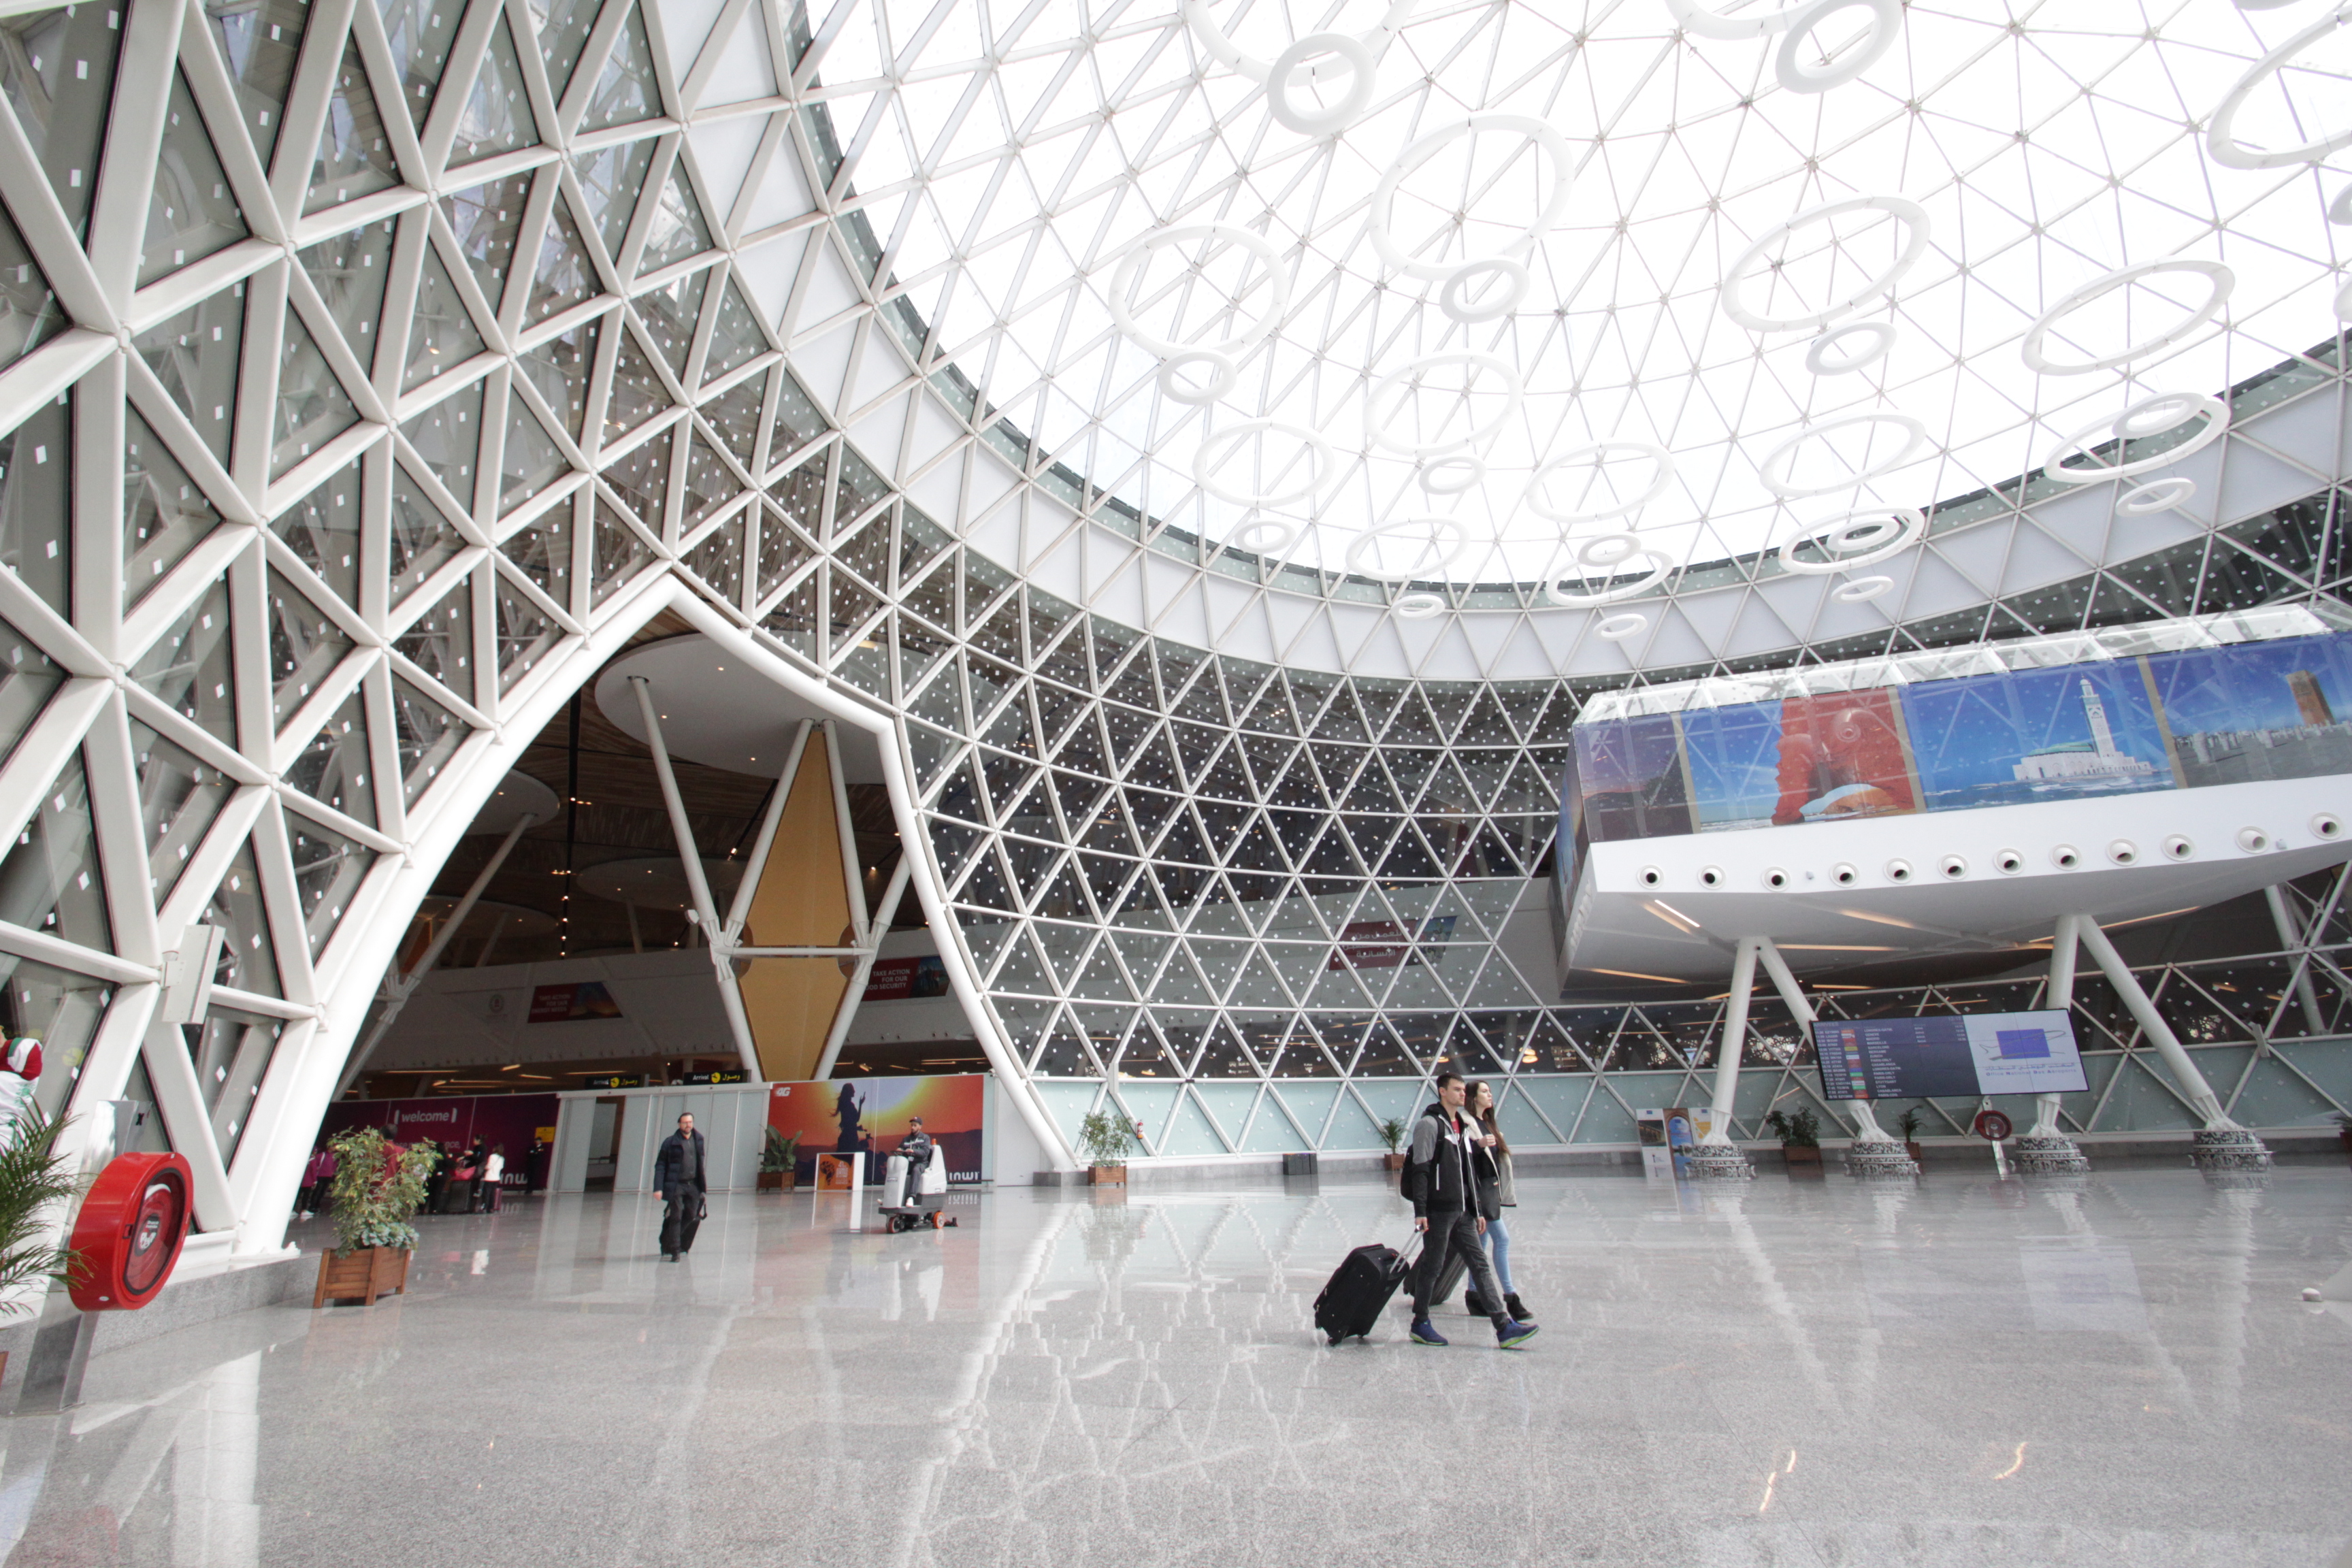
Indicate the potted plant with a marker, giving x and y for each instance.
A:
(1107, 1138)
(377, 1188)
(1801, 1137)
(33, 1176)
(1392, 1138)
(1908, 1125)
(780, 1163)
(2343, 1129)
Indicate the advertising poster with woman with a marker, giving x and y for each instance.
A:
(869, 1116)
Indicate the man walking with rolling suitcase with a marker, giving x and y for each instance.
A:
(681, 1178)
(1449, 1177)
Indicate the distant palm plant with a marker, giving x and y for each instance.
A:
(33, 1176)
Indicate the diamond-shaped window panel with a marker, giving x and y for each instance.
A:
(718, 560)
(322, 528)
(626, 91)
(859, 487)
(542, 553)
(35, 506)
(327, 871)
(641, 479)
(312, 406)
(56, 70)
(797, 421)
(669, 314)
(498, 117)
(423, 540)
(420, 33)
(28, 677)
(349, 271)
(180, 796)
(29, 315)
(427, 735)
(49, 878)
(441, 641)
(530, 460)
(558, 367)
(163, 512)
(735, 337)
(441, 332)
(782, 551)
(677, 230)
(710, 482)
(610, 180)
(735, 415)
(305, 646)
(248, 961)
(526, 632)
(188, 669)
(189, 212)
(261, 40)
(621, 553)
(449, 436)
(563, 27)
(638, 391)
(563, 276)
(354, 158)
(196, 355)
(487, 222)
(334, 767)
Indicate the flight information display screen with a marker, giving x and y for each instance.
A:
(1948, 1056)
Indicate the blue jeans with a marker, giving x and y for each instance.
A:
(1498, 1236)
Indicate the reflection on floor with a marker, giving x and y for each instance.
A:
(2115, 1370)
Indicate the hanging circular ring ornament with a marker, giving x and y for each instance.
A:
(1885, 26)
(1354, 560)
(2157, 495)
(1489, 303)
(1417, 607)
(2221, 278)
(1317, 121)
(2231, 153)
(1424, 148)
(1131, 261)
(1693, 18)
(2130, 425)
(1228, 53)
(1247, 536)
(1860, 590)
(1623, 627)
(1232, 435)
(1861, 538)
(1771, 470)
(1223, 374)
(1451, 476)
(1662, 477)
(1606, 551)
(1919, 231)
(1376, 423)
(1879, 337)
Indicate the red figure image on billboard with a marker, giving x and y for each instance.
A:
(1841, 755)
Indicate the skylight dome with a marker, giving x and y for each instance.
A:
(1582, 294)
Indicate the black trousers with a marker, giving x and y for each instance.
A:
(1458, 1233)
(681, 1218)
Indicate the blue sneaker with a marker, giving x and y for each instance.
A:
(1425, 1333)
(1511, 1336)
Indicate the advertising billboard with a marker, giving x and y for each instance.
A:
(869, 1116)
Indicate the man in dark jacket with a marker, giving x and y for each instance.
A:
(1450, 1178)
(680, 1176)
(919, 1149)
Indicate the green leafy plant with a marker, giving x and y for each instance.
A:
(374, 1193)
(780, 1153)
(1107, 1138)
(33, 1176)
(1908, 1125)
(1798, 1130)
(1392, 1134)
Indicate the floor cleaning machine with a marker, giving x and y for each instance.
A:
(912, 1197)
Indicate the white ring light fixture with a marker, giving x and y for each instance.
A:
(1606, 551)
(2231, 153)
(1860, 590)
(1354, 559)
(1862, 538)
(1623, 627)
(1376, 423)
(1659, 479)
(1910, 213)
(1693, 18)
(1228, 53)
(1203, 467)
(1773, 471)
(1451, 476)
(1417, 607)
(1320, 121)
(1132, 261)
(1554, 146)
(1489, 304)
(1283, 535)
(1223, 374)
(2175, 409)
(2221, 278)
(1880, 336)
(2157, 495)
(1885, 26)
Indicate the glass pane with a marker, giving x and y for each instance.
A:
(526, 633)
(626, 91)
(352, 158)
(231, 1051)
(28, 312)
(57, 68)
(530, 459)
(179, 798)
(260, 39)
(420, 32)
(195, 356)
(36, 505)
(327, 871)
(163, 513)
(423, 540)
(441, 334)
(678, 230)
(559, 368)
(190, 213)
(638, 391)
(348, 272)
(305, 645)
(621, 553)
(428, 735)
(488, 221)
(448, 436)
(735, 338)
(611, 180)
(641, 478)
(323, 531)
(58, 1008)
(669, 314)
(564, 277)
(498, 117)
(49, 878)
(28, 678)
(334, 767)
(543, 553)
(312, 406)
(735, 415)
(563, 27)
(248, 961)
(188, 669)
(441, 643)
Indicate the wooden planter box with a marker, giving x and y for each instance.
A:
(778, 1181)
(1916, 1152)
(370, 1272)
(1106, 1175)
(1392, 1162)
(1801, 1159)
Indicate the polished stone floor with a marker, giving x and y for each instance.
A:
(2118, 1371)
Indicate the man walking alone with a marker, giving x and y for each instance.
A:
(1447, 1176)
(679, 1173)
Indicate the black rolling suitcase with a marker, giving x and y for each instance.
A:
(1448, 1277)
(1359, 1291)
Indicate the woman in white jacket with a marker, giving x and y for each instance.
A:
(1480, 1106)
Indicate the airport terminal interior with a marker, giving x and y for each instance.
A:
(1066, 622)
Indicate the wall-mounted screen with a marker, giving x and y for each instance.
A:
(1950, 1056)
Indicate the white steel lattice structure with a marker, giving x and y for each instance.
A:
(372, 371)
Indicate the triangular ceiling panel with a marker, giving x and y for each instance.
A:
(354, 158)
(628, 91)
(191, 213)
(498, 117)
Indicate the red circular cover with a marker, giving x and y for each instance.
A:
(130, 1231)
(1992, 1126)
